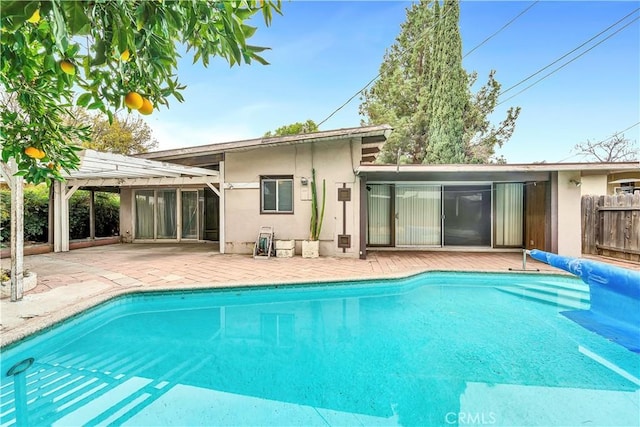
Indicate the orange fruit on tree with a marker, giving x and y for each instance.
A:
(125, 55)
(133, 100)
(34, 153)
(35, 18)
(68, 67)
(147, 107)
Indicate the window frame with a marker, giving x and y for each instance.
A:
(277, 179)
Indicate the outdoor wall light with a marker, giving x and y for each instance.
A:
(304, 180)
(575, 182)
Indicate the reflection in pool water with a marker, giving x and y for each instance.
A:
(435, 349)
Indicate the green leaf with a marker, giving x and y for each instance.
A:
(78, 21)
(260, 59)
(248, 30)
(98, 105)
(257, 48)
(83, 100)
(100, 56)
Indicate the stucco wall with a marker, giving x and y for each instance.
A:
(569, 228)
(333, 161)
(594, 185)
(126, 215)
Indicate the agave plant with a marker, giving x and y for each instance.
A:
(316, 220)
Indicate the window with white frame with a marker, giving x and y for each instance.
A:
(276, 194)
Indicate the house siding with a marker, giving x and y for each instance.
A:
(569, 228)
(332, 160)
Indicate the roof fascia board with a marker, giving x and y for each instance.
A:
(141, 182)
(250, 144)
(534, 167)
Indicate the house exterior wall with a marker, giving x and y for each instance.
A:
(568, 205)
(126, 215)
(594, 185)
(333, 161)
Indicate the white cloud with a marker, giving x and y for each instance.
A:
(179, 134)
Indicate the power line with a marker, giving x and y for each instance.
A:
(349, 100)
(502, 28)
(425, 32)
(370, 81)
(604, 140)
(568, 62)
(568, 53)
(373, 79)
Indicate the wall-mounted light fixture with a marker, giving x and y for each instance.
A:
(575, 182)
(304, 180)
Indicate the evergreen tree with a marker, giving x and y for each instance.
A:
(425, 94)
(294, 129)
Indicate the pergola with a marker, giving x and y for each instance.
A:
(98, 169)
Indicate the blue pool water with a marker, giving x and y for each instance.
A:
(434, 349)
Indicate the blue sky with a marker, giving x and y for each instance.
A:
(324, 52)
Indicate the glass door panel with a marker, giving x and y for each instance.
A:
(379, 214)
(467, 215)
(189, 215)
(166, 214)
(509, 215)
(211, 222)
(144, 201)
(418, 215)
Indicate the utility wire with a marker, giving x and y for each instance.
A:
(604, 140)
(568, 62)
(425, 32)
(349, 100)
(568, 53)
(502, 28)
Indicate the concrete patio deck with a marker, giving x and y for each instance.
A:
(70, 282)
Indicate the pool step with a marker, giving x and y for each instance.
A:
(564, 295)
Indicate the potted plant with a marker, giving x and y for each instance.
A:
(311, 247)
(29, 281)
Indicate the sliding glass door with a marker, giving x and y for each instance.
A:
(145, 201)
(418, 213)
(190, 214)
(379, 205)
(467, 215)
(509, 215)
(423, 215)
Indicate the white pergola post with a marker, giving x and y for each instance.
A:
(222, 207)
(57, 216)
(61, 220)
(16, 184)
(92, 215)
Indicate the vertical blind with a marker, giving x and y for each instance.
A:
(509, 212)
(144, 214)
(379, 219)
(418, 213)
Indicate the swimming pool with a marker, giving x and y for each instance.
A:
(433, 349)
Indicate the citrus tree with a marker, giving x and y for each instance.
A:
(103, 55)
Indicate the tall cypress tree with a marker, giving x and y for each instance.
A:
(425, 94)
(445, 144)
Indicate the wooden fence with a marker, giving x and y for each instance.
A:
(611, 226)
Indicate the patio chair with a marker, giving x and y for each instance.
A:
(264, 247)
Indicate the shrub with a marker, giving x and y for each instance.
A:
(36, 214)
